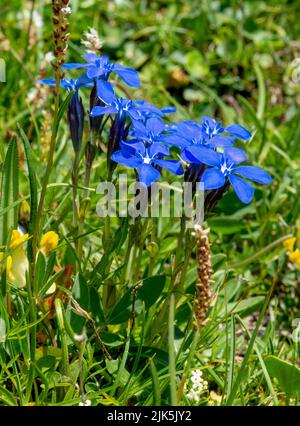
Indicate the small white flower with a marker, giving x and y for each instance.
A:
(66, 10)
(86, 403)
(49, 57)
(92, 40)
(195, 385)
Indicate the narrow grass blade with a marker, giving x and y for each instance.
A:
(155, 382)
(9, 191)
(172, 356)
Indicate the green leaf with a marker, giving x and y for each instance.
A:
(225, 225)
(288, 375)
(122, 309)
(9, 191)
(80, 293)
(95, 306)
(148, 293)
(151, 289)
(155, 384)
(40, 271)
(46, 363)
(7, 397)
(2, 330)
(245, 307)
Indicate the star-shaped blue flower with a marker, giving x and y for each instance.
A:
(100, 67)
(191, 137)
(135, 154)
(69, 84)
(134, 109)
(225, 167)
(150, 131)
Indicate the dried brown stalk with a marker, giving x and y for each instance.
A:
(204, 270)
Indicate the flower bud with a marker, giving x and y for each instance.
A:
(76, 118)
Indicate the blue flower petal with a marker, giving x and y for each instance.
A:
(253, 173)
(139, 128)
(148, 174)
(213, 179)
(91, 57)
(168, 110)
(188, 130)
(84, 81)
(200, 154)
(158, 149)
(94, 71)
(238, 131)
(236, 155)
(133, 147)
(222, 141)
(243, 189)
(172, 166)
(73, 65)
(47, 81)
(155, 125)
(125, 159)
(173, 140)
(128, 75)
(105, 91)
(99, 110)
(133, 114)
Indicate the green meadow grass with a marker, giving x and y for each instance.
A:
(119, 331)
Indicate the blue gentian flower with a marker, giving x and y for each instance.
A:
(69, 84)
(147, 110)
(100, 67)
(225, 167)
(149, 132)
(191, 137)
(119, 106)
(136, 155)
(212, 130)
(134, 109)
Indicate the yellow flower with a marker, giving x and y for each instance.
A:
(17, 239)
(295, 257)
(8, 262)
(289, 244)
(16, 262)
(49, 242)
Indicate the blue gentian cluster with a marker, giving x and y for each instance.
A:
(140, 139)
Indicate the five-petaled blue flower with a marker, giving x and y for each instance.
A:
(192, 137)
(100, 67)
(149, 132)
(122, 107)
(225, 166)
(69, 84)
(147, 110)
(136, 155)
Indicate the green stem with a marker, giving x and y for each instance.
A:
(172, 358)
(162, 313)
(260, 253)
(75, 200)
